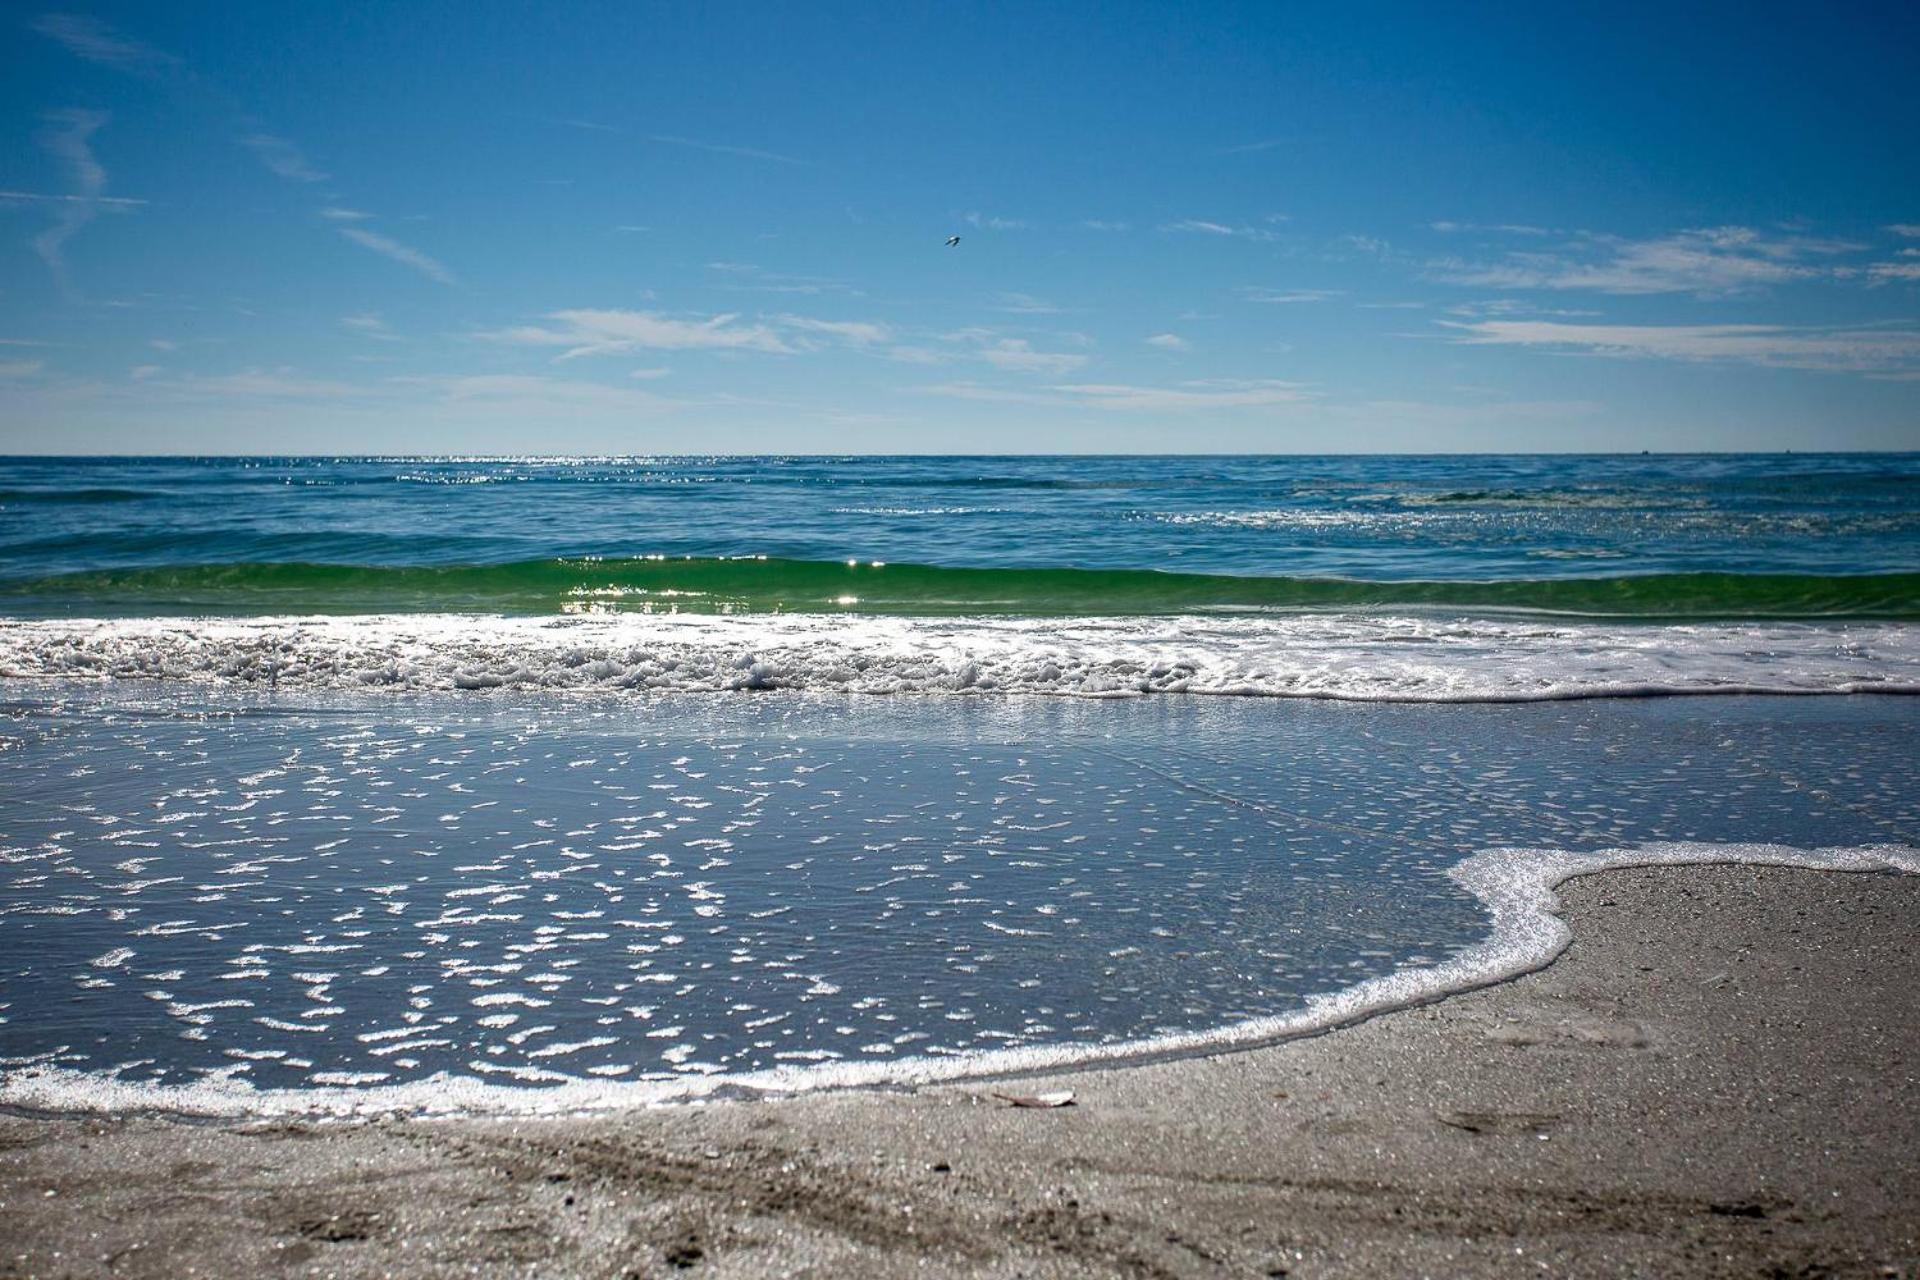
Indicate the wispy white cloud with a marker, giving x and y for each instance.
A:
(1102, 224)
(1017, 355)
(281, 157)
(1168, 342)
(587, 332)
(68, 139)
(858, 332)
(1197, 395)
(592, 332)
(1198, 225)
(1372, 246)
(1372, 415)
(1025, 304)
(369, 324)
(990, 395)
(95, 41)
(1204, 393)
(282, 383)
(21, 368)
(533, 392)
(1494, 307)
(1909, 229)
(54, 197)
(802, 285)
(1247, 148)
(99, 43)
(405, 255)
(505, 394)
(1887, 272)
(1503, 228)
(750, 153)
(141, 372)
(1255, 293)
(1873, 350)
(1201, 226)
(987, 222)
(1707, 260)
(746, 277)
(487, 412)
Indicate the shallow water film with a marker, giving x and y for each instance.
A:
(359, 890)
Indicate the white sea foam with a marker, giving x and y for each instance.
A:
(1516, 887)
(1346, 656)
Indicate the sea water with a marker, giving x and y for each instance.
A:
(357, 785)
(1669, 537)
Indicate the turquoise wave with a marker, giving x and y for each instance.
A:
(768, 585)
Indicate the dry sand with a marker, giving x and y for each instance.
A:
(1717, 1078)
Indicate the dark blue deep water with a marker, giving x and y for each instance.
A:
(1707, 536)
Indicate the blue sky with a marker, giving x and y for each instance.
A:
(483, 228)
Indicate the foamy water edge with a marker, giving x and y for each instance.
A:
(1515, 885)
(1343, 656)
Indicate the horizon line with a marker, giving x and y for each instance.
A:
(715, 454)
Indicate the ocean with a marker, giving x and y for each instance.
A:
(368, 785)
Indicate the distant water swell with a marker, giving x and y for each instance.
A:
(1366, 657)
(81, 497)
(764, 585)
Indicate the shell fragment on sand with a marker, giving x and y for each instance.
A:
(1064, 1098)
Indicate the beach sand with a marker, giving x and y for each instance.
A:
(1716, 1078)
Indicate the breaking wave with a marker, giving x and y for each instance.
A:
(1343, 656)
(760, 584)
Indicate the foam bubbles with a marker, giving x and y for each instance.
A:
(1327, 655)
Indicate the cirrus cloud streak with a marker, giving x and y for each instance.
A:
(600, 331)
(1705, 260)
(1197, 394)
(1884, 351)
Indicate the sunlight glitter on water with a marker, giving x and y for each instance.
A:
(376, 893)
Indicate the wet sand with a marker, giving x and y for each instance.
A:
(1717, 1078)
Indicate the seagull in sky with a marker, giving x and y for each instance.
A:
(952, 241)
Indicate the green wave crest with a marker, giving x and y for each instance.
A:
(766, 585)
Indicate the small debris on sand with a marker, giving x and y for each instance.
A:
(1064, 1098)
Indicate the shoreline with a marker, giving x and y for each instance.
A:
(1717, 1076)
(1517, 888)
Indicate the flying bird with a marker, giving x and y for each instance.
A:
(952, 241)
